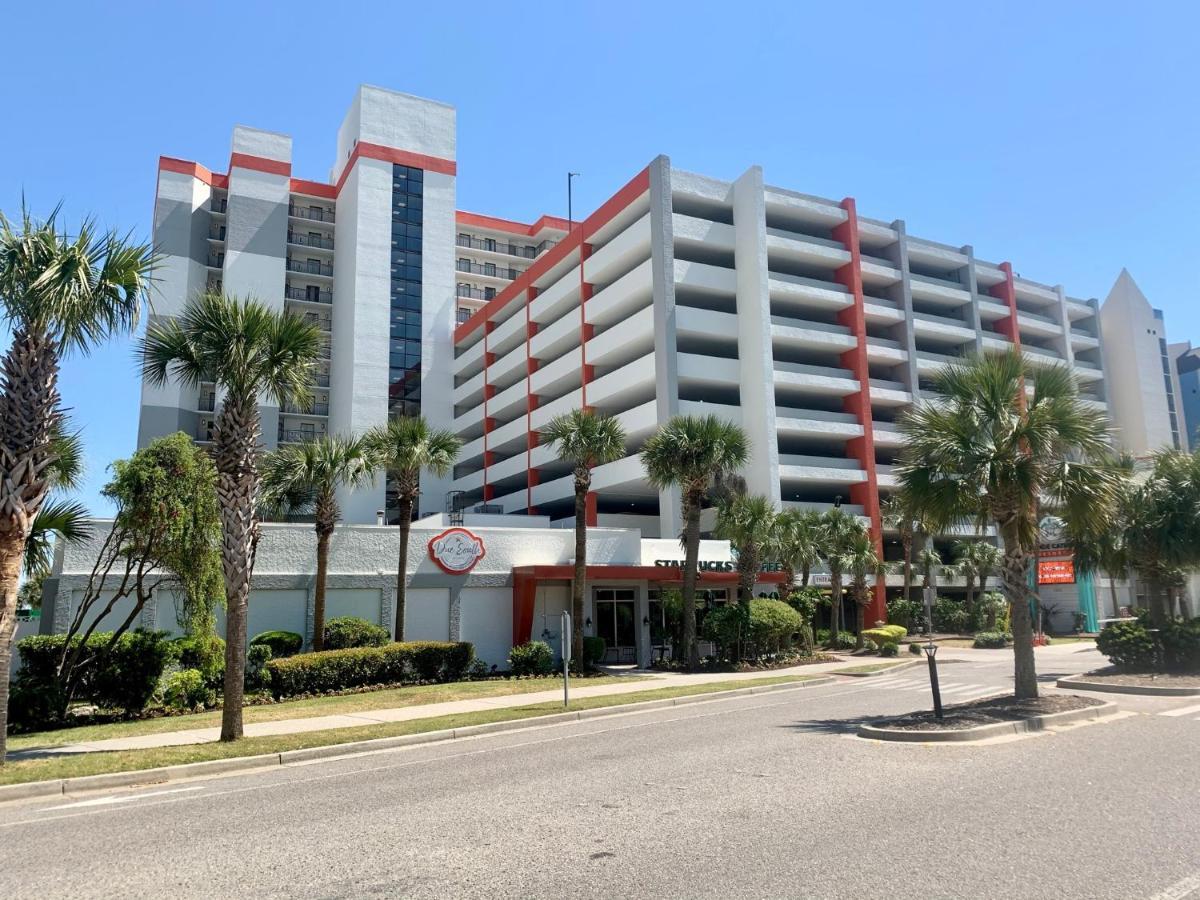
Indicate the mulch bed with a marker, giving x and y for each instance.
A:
(988, 712)
(1143, 679)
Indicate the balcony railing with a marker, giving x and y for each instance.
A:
(217, 206)
(313, 409)
(321, 322)
(473, 293)
(316, 215)
(485, 269)
(216, 233)
(463, 313)
(308, 267)
(528, 251)
(307, 240)
(294, 293)
(216, 260)
(207, 404)
(297, 436)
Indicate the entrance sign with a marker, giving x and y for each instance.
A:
(456, 551)
(1056, 571)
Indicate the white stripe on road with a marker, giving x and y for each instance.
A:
(120, 798)
(960, 688)
(1180, 889)
(1183, 711)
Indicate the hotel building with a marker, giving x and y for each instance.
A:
(812, 326)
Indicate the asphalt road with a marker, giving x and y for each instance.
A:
(762, 796)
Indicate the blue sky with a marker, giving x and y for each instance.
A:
(1061, 136)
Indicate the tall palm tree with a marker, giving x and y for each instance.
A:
(900, 512)
(986, 452)
(58, 519)
(797, 543)
(404, 448)
(318, 469)
(748, 523)
(249, 352)
(688, 452)
(841, 531)
(584, 439)
(58, 294)
(858, 559)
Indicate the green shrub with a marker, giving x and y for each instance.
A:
(335, 670)
(282, 643)
(805, 601)
(594, 648)
(768, 626)
(914, 648)
(478, 670)
(846, 640)
(1180, 642)
(1129, 645)
(886, 634)
(889, 650)
(908, 613)
(351, 631)
(991, 640)
(257, 657)
(205, 654)
(533, 658)
(949, 616)
(185, 690)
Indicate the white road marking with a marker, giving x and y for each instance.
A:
(962, 688)
(1180, 889)
(121, 798)
(1183, 711)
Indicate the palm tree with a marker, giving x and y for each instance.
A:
(1108, 550)
(404, 448)
(584, 439)
(841, 532)
(859, 560)
(797, 543)
(58, 519)
(688, 452)
(899, 512)
(1164, 536)
(318, 469)
(748, 523)
(986, 452)
(929, 562)
(58, 294)
(249, 352)
(975, 561)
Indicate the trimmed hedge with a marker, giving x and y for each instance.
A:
(594, 648)
(991, 640)
(205, 654)
(885, 634)
(282, 643)
(532, 658)
(768, 627)
(351, 631)
(400, 663)
(1134, 647)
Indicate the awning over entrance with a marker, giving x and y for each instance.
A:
(526, 579)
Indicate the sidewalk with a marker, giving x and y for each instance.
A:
(648, 680)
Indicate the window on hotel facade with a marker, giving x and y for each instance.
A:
(404, 346)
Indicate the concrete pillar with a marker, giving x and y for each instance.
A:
(902, 294)
(755, 357)
(970, 282)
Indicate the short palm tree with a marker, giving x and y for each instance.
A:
(249, 352)
(748, 523)
(929, 563)
(988, 453)
(900, 512)
(1164, 536)
(859, 560)
(797, 544)
(840, 534)
(58, 294)
(584, 439)
(975, 561)
(687, 453)
(1108, 550)
(404, 448)
(318, 469)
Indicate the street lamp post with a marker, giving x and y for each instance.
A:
(571, 176)
(930, 649)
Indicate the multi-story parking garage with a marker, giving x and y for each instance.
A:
(810, 325)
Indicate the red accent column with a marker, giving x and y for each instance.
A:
(589, 509)
(488, 491)
(1006, 290)
(865, 494)
(531, 401)
(524, 593)
(586, 331)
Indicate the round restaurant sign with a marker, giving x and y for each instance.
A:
(456, 551)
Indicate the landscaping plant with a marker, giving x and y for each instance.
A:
(351, 631)
(531, 658)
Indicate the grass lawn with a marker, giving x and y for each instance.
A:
(870, 667)
(21, 771)
(416, 695)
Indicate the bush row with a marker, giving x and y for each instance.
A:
(883, 635)
(1136, 647)
(399, 663)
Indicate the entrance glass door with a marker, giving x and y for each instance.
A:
(616, 622)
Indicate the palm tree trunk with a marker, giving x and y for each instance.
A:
(405, 508)
(236, 448)
(908, 549)
(324, 531)
(789, 580)
(691, 556)
(12, 549)
(1112, 590)
(804, 575)
(970, 600)
(582, 483)
(835, 605)
(860, 617)
(1016, 590)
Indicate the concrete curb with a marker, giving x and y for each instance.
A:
(898, 667)
(1081, 684)
(163, 774)
(986, 732)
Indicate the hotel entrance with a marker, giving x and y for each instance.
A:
(615, 620)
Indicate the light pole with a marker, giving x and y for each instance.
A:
(571, 176)
(930, 649)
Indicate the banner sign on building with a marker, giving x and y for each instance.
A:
(1056, 556)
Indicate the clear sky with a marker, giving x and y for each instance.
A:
(1062, 136)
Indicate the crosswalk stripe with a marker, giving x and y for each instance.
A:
(1184, 711)
(960, 688)
(978, 692)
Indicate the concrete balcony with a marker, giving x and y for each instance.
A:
(626, 295)
(887, 434)
(815, 379)
(852, 509)
(618, 389)
(626, 250)
(469, 360)
(691, 230)
(885, 351)
(935, 290)
(809, 423)
(939, 255)
(942, 326)
(820, 470)
(1038, 325)
(804, 335)
(877, 309)
(789, 247)
(793, 293)
(634, 337)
